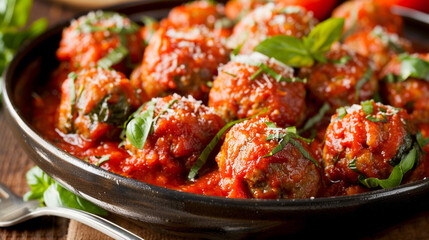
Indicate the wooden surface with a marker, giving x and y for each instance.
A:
(14, 163)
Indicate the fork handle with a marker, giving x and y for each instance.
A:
(105, 226)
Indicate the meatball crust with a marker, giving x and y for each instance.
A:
(205, 13)
(180, 61)
(342, 83)
(94, 102)
(411, 94)
(240, 92)
(180, 134)
(373, 146)
(366, 14)
(246, 173)
(93, 36)
(270, 20)
(377, 44)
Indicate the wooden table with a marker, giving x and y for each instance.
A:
(14, 164)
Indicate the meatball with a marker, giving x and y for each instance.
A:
(180, 61)
(182, 128)
(366, 14)
(346, 78)
(250, 168)
(411, 93)
(94, 102)
(243, 88)
(377, 44)
(205, 13)
(270, 20)
(367, 140)
(94, 36)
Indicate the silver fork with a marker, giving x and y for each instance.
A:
(14, 210)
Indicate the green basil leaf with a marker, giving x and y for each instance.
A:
(162, 112)
(352, 165)
(282, 143)
(373, 119)
(39, 182)
(368, 107)
(271, 125)
(341, 113)
(304, 152)
(230, 74)
(14, 13)
(57, 196)
(320, 39)
(199, 163)
(311, 122)
(413, 67)
(366, 77)
(137, 131)
(286, 49)
(397, 174)
(103, 159)
(256, 74)
(421, 141)
(114, 57)
(112, 114)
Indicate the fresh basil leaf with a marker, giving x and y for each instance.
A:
(397, 174)
(286, 49)
(386, 38)
(368, 107)
(103, 159)
(413, 67)
(256, 74)
(230, 74)
(271, 125)
(391, 78)
(162, 113)
(341, 113)
(199, 163)
(114, 57)
(352, 166)
(341, 61)
(282, 143)
(112, 114)
(14, 13)
(373, 119)
(311, 122)
(320, 39)
(304, 152)
(39, 182)
(57, 196)
(138, 128)
(366, 77)
(421, 141)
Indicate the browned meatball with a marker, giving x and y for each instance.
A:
(243, 88)
(182, 129)
(180, 61)
(205, 13)
(366, 14)
(92, 37)
(411, 93)
(270, 20)
(367, 140)
(377, 44)
(346, 78)
(94, 102)
(248, 171)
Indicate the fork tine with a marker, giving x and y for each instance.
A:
(5, 192)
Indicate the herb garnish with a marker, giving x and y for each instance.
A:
(341, 113)
(341, 61)
(387, 39)
(230, 74)
(52, 194)
(366, 77)
(395, 178)
(287, 135)
(302, 53)
(113, 57)
(149, 23)
(422, 141)
(102, 159)
(139, 128)
(316, 118)
(413, 67)
(112, 114)
(199, 163)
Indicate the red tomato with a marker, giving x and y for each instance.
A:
(421, 5)
(321, 8)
